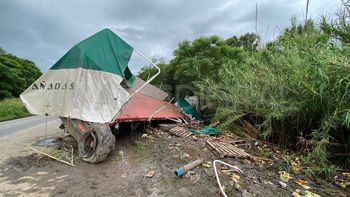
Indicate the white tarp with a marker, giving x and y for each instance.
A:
(84, 94)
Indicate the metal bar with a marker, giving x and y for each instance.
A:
(143, 85)
(156, 112)
(149, 80)
(175, 120)
(160, 109)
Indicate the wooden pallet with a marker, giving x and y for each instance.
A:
(180, 132)
(225, 149)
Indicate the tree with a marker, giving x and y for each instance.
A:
(16, 74)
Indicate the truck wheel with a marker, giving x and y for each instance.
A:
(97, 144)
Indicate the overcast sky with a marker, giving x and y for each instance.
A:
(43, 31)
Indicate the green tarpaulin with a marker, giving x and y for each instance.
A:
(188, 109)
(208, 131)
(103, 51)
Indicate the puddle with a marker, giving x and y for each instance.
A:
(49, 141)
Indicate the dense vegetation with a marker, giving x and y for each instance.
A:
(12, 109)
(295, 90)
(16, 74)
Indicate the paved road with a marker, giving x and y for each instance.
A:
(13, 126)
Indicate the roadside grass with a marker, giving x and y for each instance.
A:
(12, 109)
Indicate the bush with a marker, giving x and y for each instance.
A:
(12, 109)
(295, 88)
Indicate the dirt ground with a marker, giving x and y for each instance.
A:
(24, 173)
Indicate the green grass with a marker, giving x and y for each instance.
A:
(12, 109)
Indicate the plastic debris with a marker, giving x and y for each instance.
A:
(208, 131)
(303, 183)
(189, 109)
(282, 184)
(284, 176)
(183, 170)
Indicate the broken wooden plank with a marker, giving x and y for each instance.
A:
(227, 149)
(250, 129)
(180, 132)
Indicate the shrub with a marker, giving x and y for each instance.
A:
(11, 109)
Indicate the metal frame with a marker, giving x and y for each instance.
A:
(139, 89)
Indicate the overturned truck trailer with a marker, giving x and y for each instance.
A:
(91, 89)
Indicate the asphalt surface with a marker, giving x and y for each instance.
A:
(14, 126)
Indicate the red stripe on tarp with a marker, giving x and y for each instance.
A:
(142, 106)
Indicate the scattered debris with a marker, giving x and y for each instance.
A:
(296, 168)
(183, 170)
(342, 183)
(207, 164)
(299, 193)
(347, 174)
(282, 184)
(180, 132)
(250, 129)
(146, 136)
(284, 176)
(225, 149)
(52, 154)
(208, 131)
(235, 177)
(188, 109)
(185, 155)
(222, 188)
(150, 174)
(303, 183)
(194, 138)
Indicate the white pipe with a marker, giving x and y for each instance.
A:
(217, 176)
(156, 112)
(175, 120)
(143, 85)
(149, 80)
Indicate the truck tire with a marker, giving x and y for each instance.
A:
(97, 144)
